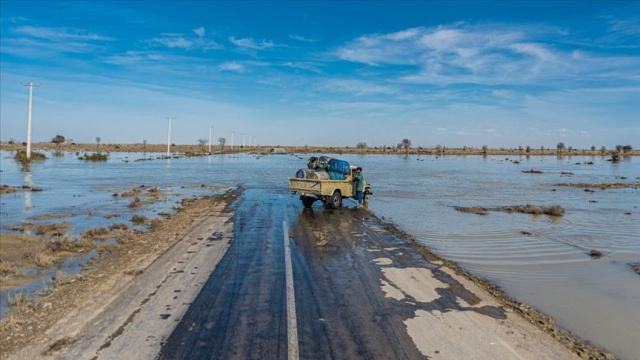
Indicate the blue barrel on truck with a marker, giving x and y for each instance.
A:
(339, 166)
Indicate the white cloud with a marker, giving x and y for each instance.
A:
(301, 38)
(302, 65)
(356, 87)
(249, 43)
(232, 66)
(441, 129)
(179, 41)
(60, 34)
(490, 54)
(199, 31)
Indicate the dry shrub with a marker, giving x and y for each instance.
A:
(118, 226)
(126, 236)
(17, 299)
(524, 209)
(135, 202)
(95, 233)
(554, 210)
(43, 229)
(595, 253)
(155, 224)
(132, 193)
(67, 244)
(43, 259)
(138, 219)
(473, 210)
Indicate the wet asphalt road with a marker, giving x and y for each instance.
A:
(341, 311)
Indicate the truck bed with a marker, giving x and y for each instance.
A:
(321, 187)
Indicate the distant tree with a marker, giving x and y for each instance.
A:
(202, 142)
(619, 148)
(570, 148)
(484, 149)
(542, 148)
(98, 139)
(222, 141)
(593, 148)
(627, 149)
(528, 149)
(603, 150)
(406, 144)
(58, 139)
(438, 148)
(144, 145)
(361, 145)
(12, 141)
(560, 146)
(399, 146)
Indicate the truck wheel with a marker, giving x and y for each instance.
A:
(336, 200)
(307, 201)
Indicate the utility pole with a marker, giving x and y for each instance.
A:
(210, 138)
(169, 137)
(232, 139)
(31, 86)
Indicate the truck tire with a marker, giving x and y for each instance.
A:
(307, 201)
(336, 200)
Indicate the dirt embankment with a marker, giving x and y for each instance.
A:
(28, 322)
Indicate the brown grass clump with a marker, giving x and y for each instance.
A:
(554, 210)
(118, 226)
(138, 219)
(17, 299)
(616, 185)
(595, 253)
(6, 189)
(473, 210)
(92, 234)
(135, 203)
(56, 229)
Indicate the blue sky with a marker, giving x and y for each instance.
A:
(504, 74)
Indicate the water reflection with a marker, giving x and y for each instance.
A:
(28, 203)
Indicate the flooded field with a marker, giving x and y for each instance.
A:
(538, 259)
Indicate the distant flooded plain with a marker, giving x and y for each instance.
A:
(537, 259)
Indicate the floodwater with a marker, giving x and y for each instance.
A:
(550, 269)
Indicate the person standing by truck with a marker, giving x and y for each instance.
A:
(359, 183)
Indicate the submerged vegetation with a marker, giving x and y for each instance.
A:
(94, 157)
(21, 157)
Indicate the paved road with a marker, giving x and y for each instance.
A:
(360, 292)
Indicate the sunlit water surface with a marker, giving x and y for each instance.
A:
(597, 299)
